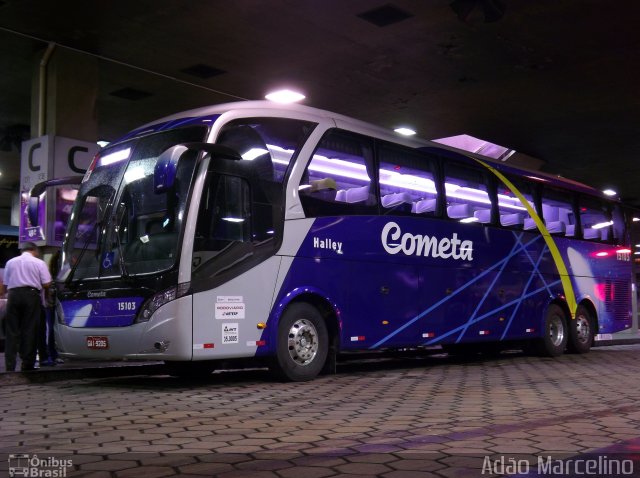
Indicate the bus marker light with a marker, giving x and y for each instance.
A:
(385, 322)
(359, 338)
(256, 343)
(530, 330)
(261, 325)
(428, 335)
(203, 346)
(484, 332)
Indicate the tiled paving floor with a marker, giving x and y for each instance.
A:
(429, 417)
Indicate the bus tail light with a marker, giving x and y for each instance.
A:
(160, 299)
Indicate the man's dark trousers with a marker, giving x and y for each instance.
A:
(23, 315)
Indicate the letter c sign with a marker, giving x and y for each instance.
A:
(33, 167)
(71, 158)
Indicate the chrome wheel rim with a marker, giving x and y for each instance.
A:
(583, 329)
(556, 330)
(303, 342)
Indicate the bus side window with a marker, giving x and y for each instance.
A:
(557, 212)
(223, 217)
(338, 179)
(467, 194)
(620, 233)
(407, 181)
(512, 212)
(595, 219)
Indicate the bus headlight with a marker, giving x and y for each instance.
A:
(160, 299)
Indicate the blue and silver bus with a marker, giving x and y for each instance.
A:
(288, 235)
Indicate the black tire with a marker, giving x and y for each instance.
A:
(554, 340)
(190, 370)
(581, 331)
(302, 344)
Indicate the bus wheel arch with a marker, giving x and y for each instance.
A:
(306, 339)
(583, 328)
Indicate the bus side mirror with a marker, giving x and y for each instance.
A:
(33, 201)
(164, 173)
(33, 204)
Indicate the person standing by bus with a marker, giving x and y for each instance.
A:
(50, 313)
(25, 276)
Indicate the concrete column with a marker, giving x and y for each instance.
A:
(71, 85)
(66, 83)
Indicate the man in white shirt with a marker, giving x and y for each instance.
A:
(24, 276)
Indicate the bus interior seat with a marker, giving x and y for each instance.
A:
(395, 199)
(604, 234)
(424, 205)
(483, 215)
(591, 233)
(555, 227)
(550, 213)
(154, 226)
(341, 195)
(513, 219)
(565, 215)
(529, 224)
(355, 195)
(571, 230)
(458, 211)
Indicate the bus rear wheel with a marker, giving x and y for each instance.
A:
(581, 332)
(302, 344)
(554, 339)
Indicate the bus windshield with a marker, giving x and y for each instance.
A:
(120, 225)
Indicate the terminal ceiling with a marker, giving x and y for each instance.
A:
(553, 79)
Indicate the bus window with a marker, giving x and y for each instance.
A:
(267, 147)
(620, 232)
(337, 180)
(595, 219)
(224, 213)
(557, 212)
(407, 182)
(269, 143)
(512, 212)
(467, 195)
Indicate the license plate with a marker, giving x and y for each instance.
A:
(97, 342)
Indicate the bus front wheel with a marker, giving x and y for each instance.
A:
(554, 339)
(581, 332)
(302, 344)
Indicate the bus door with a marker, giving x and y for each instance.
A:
(233, 240)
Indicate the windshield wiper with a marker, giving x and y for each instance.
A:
(82, 251)
(123, 267)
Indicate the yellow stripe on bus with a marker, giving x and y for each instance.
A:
(548, 239)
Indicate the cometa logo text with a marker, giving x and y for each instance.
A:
(394, 241)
